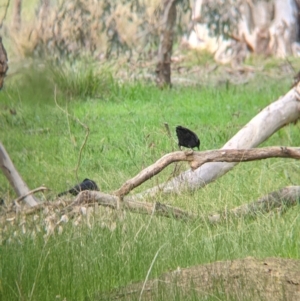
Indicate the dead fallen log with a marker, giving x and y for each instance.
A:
(281, 199)
(112, 201)
(269, 120)
(196, 159)
(284, 198)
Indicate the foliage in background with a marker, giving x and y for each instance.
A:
(221, 16)
(82, 79)
(101, 28)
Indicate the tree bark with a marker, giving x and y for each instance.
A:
(284, 198)
(163, 68)
(14, 178)
(3, 63)
(196, 159)
(279, 113)
(17, 9)
(265, 27)
(284, 28)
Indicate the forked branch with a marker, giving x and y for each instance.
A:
(196, 159)
(281, 199)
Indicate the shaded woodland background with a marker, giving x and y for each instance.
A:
(230, 30)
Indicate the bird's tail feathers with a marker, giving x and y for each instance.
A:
(63, 193)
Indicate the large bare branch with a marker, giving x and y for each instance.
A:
(112, 201)
(14, 178)
(282, 199)
(279, 113)
(196, 159)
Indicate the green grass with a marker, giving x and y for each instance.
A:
(127, 134)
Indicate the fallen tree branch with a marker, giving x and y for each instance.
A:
(14, 177)
(269, 120)
(87, 133)
(112, 201)
(284, 198)
(197, 159)
(244, 155)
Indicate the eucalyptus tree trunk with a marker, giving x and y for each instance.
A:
(269, 27)
(163, 68)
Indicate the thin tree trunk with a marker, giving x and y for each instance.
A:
(163, 68)
(17, 9)
(3, 63)
(14, 178)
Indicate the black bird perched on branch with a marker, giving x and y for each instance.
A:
(187, 138)
(86, 184)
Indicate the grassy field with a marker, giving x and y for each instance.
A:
(126, 123)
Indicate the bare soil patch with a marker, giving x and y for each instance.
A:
(242, 279)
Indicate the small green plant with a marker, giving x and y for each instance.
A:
(82, 79)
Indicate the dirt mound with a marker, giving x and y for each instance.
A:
(241, 279)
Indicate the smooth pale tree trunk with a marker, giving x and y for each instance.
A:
(278, 114)
(284, 28)
(14, 178)
(266, 27)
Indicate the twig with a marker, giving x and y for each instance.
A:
(168, 129)
(85, 138)
(176, 167)
(149, 271)
(22, 197)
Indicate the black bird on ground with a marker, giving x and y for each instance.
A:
(86, 184)
(187, 138)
